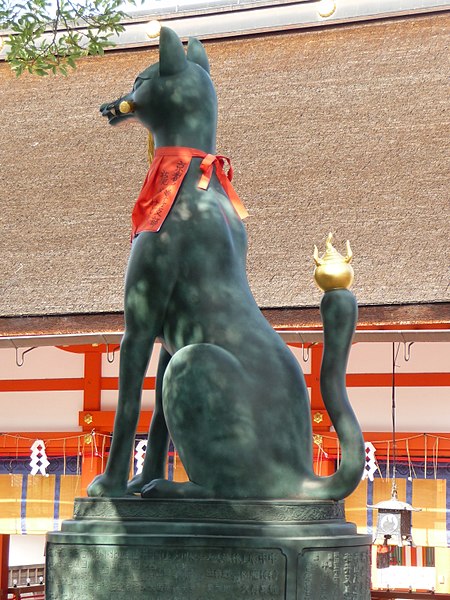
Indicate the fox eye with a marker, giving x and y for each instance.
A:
(137, 84)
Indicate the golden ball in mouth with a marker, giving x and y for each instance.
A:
(126, 107)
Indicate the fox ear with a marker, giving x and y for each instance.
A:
(172, 58)
(196, 53)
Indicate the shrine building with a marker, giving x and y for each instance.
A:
(335, 117)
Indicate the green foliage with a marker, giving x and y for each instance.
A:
(45, 37)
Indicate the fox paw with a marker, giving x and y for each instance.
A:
(105, 487)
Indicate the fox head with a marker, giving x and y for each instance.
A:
(174, 98)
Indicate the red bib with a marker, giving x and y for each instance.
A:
(164, 179)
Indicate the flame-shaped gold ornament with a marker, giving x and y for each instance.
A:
(333, 271)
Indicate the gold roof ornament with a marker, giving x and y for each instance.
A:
(333, 271)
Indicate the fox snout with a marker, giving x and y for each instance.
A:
(118, 110)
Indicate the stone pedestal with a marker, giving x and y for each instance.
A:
(117, 549)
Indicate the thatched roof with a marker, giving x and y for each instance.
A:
(341, 129)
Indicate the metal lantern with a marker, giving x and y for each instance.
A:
(394, 522)
(394, 517)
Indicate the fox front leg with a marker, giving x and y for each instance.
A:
(154, 466)
(135, 352)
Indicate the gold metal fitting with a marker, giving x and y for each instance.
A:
(326, 8)
(88, 419)
(318, 439)
(153, 29)
(88, 438)
(318, 417)
(333, 271)
(126, 107)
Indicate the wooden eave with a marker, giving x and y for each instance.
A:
(382, 317)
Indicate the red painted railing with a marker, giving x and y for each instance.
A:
(400, 594)
(28, 592)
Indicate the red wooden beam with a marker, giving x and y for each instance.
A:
(68, 384)
(401, 379)
(70, 443)
(412, 444)
(103, 420)
(321, 421)
(94, 348)
(57, 442)
(112, 383)
(38, 592)
(40, 385)
(353, 379)
(312, 381)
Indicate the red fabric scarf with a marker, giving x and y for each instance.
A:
(164, 179)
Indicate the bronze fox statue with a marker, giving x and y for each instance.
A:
(229, 392)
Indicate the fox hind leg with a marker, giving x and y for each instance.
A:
(210, 426)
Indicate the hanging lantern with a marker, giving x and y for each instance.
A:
(394, 521)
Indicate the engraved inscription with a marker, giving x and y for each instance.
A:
(334, 574)
(103, 572)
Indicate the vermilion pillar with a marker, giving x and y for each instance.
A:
(316, 360)
(324, 467)
(4, 564)
(90, 467)
(320, 420)
(92, 379)
(91, 463)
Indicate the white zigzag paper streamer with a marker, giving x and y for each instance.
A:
(371, 462)
(139, 455)
(39, 462)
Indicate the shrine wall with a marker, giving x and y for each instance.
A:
(420, 408)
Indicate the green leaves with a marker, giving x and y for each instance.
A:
(42, 38)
